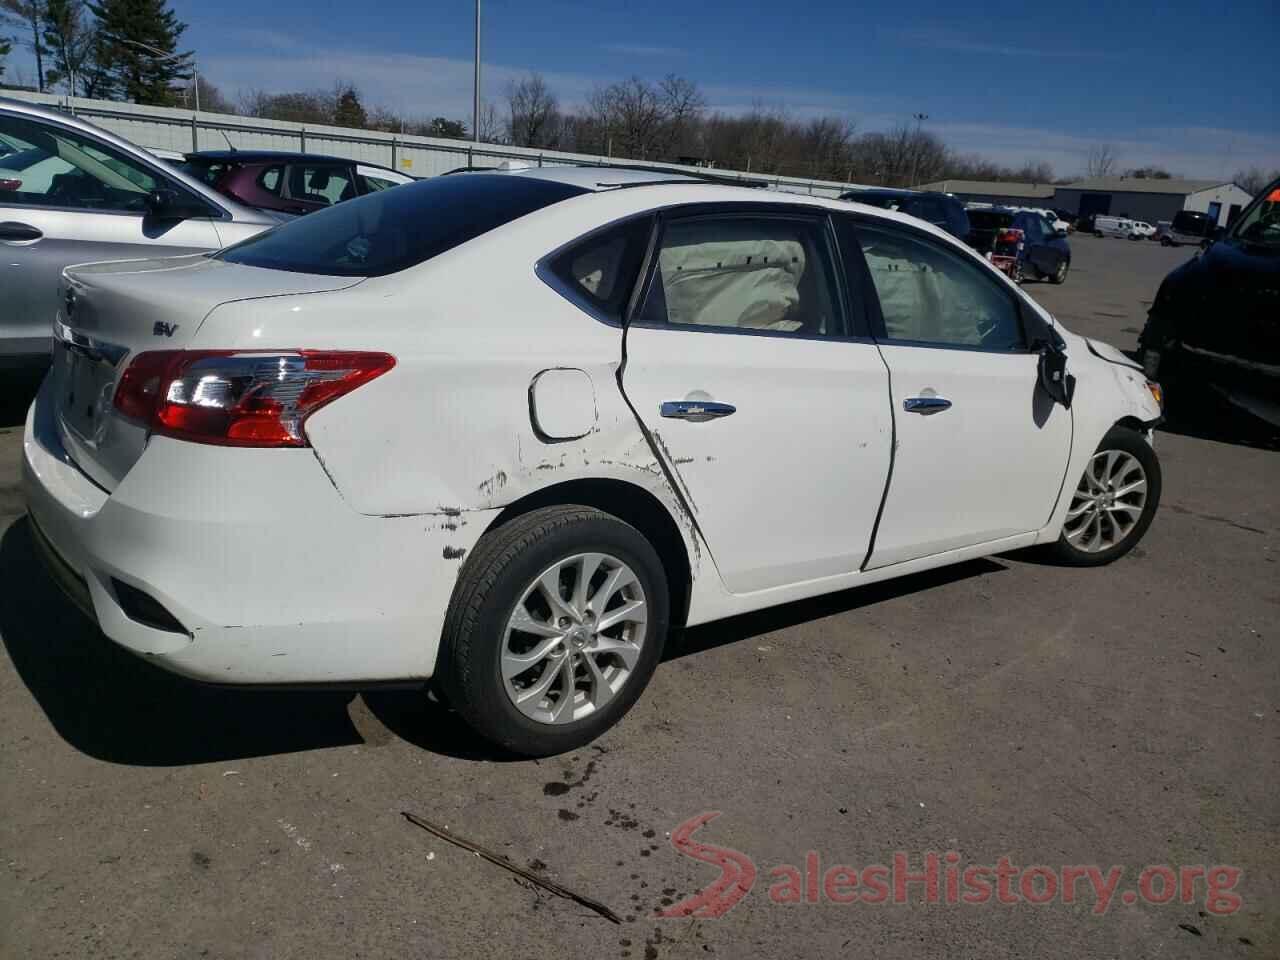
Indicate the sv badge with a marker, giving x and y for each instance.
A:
(162, 329)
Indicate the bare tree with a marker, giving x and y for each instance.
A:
(1101, 161)
(534, 113)
(1252, 181)
(492, 127)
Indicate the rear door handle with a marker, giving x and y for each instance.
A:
(926, 405)
(20, 232)
(696, 411)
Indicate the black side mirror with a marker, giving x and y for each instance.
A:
(166, 204)
(1054, 379)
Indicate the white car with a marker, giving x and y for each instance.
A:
(502, 431)
(1141, 230)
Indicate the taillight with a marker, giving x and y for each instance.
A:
(1012, 235)
(10, 184)
(236, 398)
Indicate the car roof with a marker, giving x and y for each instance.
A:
(256, 156)
(609, 177)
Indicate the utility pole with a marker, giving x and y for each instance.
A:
(920, 118)
(475, 107)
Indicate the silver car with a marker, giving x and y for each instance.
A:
(71, 193)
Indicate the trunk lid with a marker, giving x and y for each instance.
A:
(108, 312)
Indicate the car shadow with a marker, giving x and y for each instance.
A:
(18, 387)
(114, 706)
(694, 640)
(1213, 418)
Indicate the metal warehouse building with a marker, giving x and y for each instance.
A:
(1150, 199)
(1139, 198)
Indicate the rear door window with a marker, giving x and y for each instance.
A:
(758, 273)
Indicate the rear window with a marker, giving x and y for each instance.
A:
(392, 230)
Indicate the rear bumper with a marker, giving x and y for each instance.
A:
(270, 576)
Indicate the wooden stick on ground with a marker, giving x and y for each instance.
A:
(550, 885)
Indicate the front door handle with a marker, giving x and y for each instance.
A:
(19, 232)
(926, 405)
(696, 411)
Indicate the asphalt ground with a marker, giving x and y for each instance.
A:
(1118, 717)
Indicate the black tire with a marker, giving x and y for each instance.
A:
(1098, 234)
(1060, 275)
(1131, 442)
(491, 582)
(1015, 274)
(1166, 242)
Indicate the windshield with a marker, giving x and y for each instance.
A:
(391, 230)
(1260, 224)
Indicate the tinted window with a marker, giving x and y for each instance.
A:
(64, 168)
(989, 219)
(745, 272)
(930, 294)
(1189, 221)
(394, 229)
(599, 271)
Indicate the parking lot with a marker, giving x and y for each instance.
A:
(1125, 716)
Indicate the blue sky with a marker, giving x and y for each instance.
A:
(1191, 86)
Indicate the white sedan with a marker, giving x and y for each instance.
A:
(503, 431)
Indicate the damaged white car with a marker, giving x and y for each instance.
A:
(503, 431)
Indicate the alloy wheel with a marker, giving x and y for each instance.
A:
(574, 638)
(1108, 502)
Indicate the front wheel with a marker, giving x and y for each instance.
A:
(1060, 275)
(1114, 502)
(556, 625)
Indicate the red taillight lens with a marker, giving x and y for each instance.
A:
(10, 184)
(238, 398)
(1012, 235)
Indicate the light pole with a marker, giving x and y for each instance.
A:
(920, 118)
(475, 106)
(195, 72)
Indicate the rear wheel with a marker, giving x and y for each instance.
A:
(1015, 272)
(1113, 502)
(556, 626)
(1060, 275)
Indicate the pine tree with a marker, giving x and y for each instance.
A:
(128, 29)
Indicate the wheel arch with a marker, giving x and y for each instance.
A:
(632, 504)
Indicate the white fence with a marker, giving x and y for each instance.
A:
(166, 128)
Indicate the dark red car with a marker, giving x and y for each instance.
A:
(288, 182)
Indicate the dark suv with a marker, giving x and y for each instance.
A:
(289, 182)
(943, 211)
(1215, 320)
